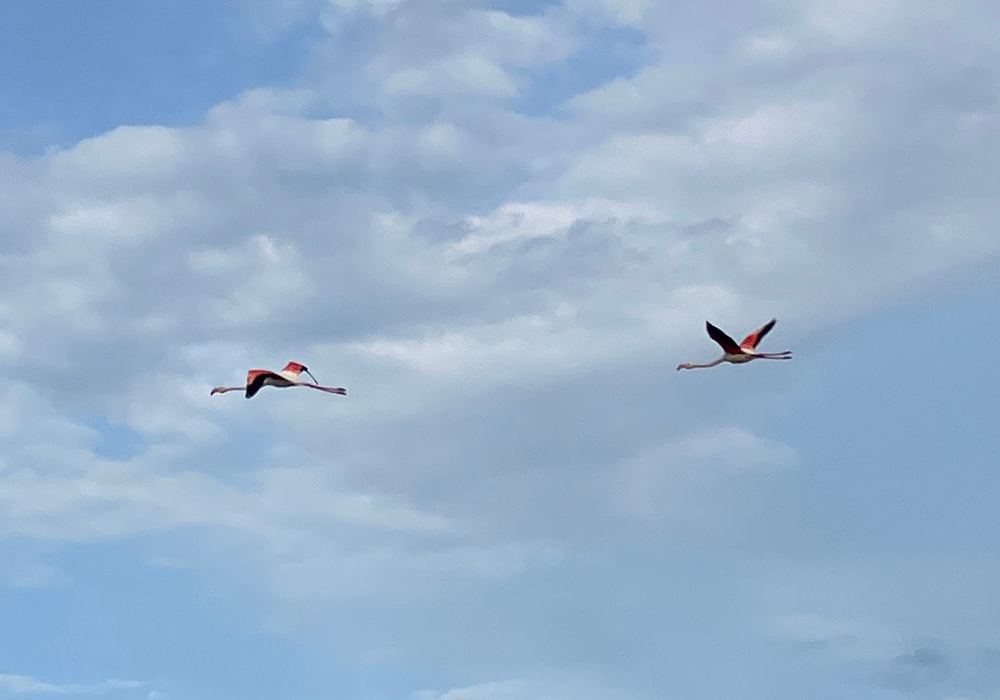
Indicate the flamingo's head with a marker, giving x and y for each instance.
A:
(299, 368)
(684, 365)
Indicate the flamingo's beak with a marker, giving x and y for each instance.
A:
(311, 376)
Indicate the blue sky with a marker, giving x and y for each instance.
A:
(501, 227)
(72, 71)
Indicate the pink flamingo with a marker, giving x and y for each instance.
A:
(744, 352)
(257, 379)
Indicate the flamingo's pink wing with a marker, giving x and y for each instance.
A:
(751, 341)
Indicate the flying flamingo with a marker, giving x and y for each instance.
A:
(257, 379)
(744, 352)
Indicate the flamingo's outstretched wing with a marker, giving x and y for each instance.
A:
(729, 345)
(255, 380)
(750, 342)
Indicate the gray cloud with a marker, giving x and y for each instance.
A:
(941, 668)
(918, 669)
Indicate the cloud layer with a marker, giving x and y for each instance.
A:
(798, 171)
(505, 293)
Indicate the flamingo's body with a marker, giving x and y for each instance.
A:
(257, 379)
(738, 353)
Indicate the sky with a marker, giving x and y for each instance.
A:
(501, 227)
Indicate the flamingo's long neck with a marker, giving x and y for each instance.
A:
(224, 389)
(710, 364)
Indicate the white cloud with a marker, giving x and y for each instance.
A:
(14, 684)
(528, 689)
(813, 628)
(461, 73)
(502, 689)
(627, 12)
(881, 21)
(375, 7)
(516, 222)
(776, 131)
(260, 236)
(474, 51)
(31, 574)
(664, 482)
(841, 637)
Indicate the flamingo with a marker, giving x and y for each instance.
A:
(257, 379)
(744, 352)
